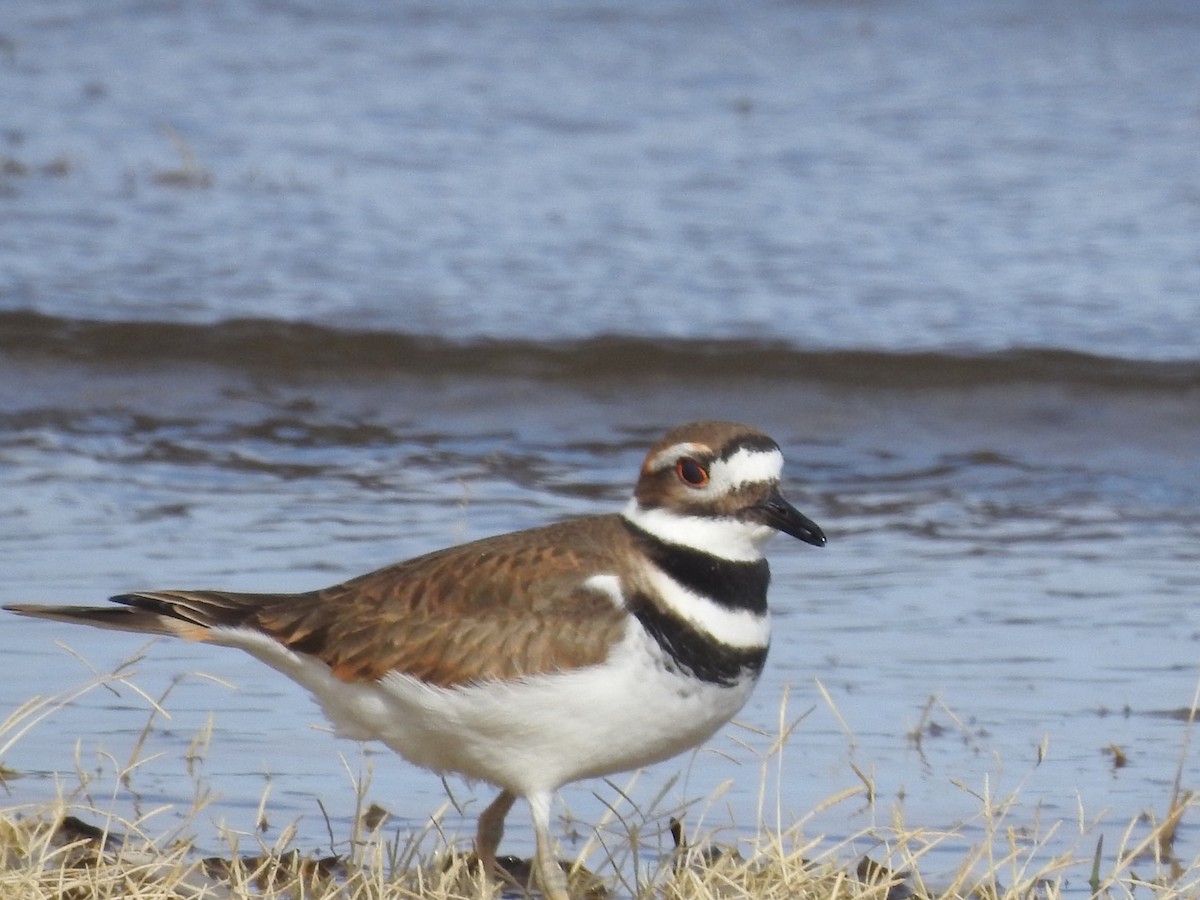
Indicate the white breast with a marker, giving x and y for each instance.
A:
(532, 734)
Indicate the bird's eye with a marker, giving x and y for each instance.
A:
(691, 472)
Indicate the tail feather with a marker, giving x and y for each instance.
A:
(186, 614)
(114, 617)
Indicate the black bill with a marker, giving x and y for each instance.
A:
(781, 515)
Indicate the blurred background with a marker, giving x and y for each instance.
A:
(289, 291)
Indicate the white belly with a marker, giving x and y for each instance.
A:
(535, 734)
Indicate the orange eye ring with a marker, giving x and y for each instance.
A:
(691, 472)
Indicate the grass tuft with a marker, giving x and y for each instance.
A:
(69, 849)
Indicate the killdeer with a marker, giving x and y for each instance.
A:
(533, 659)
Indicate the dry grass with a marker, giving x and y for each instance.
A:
(68, 850)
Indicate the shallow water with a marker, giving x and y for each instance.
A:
(883, 175)
(1038, 594)
(439, 272)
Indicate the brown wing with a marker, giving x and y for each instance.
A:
(502, 607)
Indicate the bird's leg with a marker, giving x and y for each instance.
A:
(551, 877)
(491, 830)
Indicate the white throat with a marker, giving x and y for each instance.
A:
(725, 538)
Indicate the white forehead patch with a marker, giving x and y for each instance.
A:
(745, 466)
